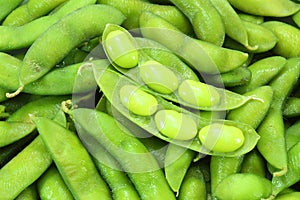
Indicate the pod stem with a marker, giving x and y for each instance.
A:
(281, 172)
(257, 99)
(18, 91)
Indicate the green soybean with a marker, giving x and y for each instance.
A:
(256, 19)
(209, 59)
(110, 83)
(288, 38)
(37, 64)
(203, 16)
(199, 94)
(221, 138)
(236, 186)
(51, 186)
(138, 101)
(133, 156)
(177, 162)
(10, 39)
(68, 154)
(263, 71)
(277, 8)
(29, 11)
(24, 169)
(154, 76)
(193, 186)
(175, 125)
(7, 7)
(120, 47)
(132, 9)
(291, 107)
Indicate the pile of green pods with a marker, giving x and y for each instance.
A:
(149, 99)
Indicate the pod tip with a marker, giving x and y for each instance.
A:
(18, 91)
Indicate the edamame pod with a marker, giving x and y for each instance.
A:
(111, 171)
(209, 58)
(288, 38)
(292, 176)
(132, 9)
(291, 107)
(37, 64)
(24, 169)
(256, 19)
(110, 83)
(29, 11)
(221, 167)
(3, 92)
(236, 77)
(277, 8)
(206, 20)
(177, 162)
(10, 39)
(51, 186)
(263, 71)
(7, 7)
(260, 39)
(68, 154)
(133, 156)
(233, 25)
(291, 135)
(236, 186)
(289, 196)
(254, 163)
(193, 186)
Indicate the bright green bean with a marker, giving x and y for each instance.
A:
(30, 193)
(292, 135)
(291, 107)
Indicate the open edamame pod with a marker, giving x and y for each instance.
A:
(110, 83)
(208, 59)
(135, 159)
(273, 8)
(40, 59)
(204, 17)
(69, 153)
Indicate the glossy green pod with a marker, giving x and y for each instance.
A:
(7, 7)
(85, 182)
(110, 82)
(291, 107)
(30, 193)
